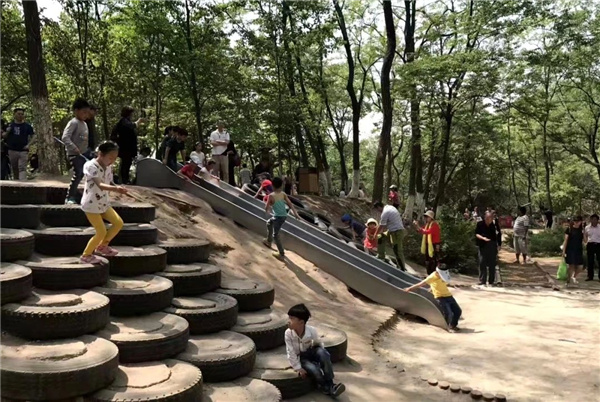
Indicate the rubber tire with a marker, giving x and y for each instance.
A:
(192, 279)
(127, 302)
(16, 193)
(62, 273)
(63, 215)
(307, 217)
(260, 298)
(265, 335)
(30, 321)
(186, 251)
(218, 364)
(15, 282)
(334, 340)
(133, 261)
(335, 233)
(252, 389)
(250, 189)
(274, 367)
(56, 195)
(169, 341)
(19, 216)
(136, 235)
(323, 218)
(206, 320)
(297, 203)
(136, 212)
(63, 241)
(188, 386)
(50, 379)
(16, 244)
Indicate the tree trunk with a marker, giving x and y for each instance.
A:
(546, 164)
(356, 105)
(439, 197)
(510, 161)
(193, 80)
(415, 179)
(385, 142)
(47, 150)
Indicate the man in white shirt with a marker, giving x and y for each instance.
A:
(391, 230)
(592, 239)
(219, 139)
(520, 231)
(307, 354)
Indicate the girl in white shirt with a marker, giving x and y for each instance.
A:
(197, 155)
(96, 205)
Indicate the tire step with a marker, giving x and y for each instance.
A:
(16, 244)
(251, 295)
(15, 193)
(265, 327)
(15, 282)
(20, 216)
(242, 389)
(221, 356)
(138, 295)
(133, 261)
(53, 315)
(150, 337)
(207, 313)
(192, 279)
(72, 215)
(58, 369)
(186, 251)
(63, 273)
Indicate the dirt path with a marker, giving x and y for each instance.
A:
(530, 345)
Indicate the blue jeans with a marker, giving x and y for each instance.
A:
(317, 363)
(273, 228)
(451, 309)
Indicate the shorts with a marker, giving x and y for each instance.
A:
(520, 244)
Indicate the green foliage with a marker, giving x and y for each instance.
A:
(543, 243)
(459, 250)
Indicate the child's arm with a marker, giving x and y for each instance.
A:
(417, 285)
(183, 155)
(109, 187)
(167, 150)
(290, 205)
(293, 356)
(258, 192)
(268, 206)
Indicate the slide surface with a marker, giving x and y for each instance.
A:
(366, 274)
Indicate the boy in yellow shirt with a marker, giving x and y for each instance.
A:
(437, 281)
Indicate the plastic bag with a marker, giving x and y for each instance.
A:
(561, 274)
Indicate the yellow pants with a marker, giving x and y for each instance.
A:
(103, 236)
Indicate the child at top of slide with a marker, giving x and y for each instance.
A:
(96, 205)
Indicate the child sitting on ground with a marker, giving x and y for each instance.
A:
(370, 242)
(437, 281)
(277, 201)
(306, 352)
(96, 205)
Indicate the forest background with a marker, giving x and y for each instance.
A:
(458, 102)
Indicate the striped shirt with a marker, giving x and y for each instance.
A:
(391, 219)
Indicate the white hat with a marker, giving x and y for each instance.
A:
(371, 220)
(444, 274)
(430, 214)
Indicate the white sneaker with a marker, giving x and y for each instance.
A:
(574, 281)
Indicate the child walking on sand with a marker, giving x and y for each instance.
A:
(277, 201)
(306, 352)
(437, 281)
(96, 205)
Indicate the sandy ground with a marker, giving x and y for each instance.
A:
(529, 344)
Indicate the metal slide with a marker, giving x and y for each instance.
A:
(368, 276)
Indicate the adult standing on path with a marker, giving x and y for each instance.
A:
(219, 139)
(391, 230)
(592, 240)
(573, 249)
(432, 239)
(125, 135)
(76, 139)
(488, 243)
(520, 231)
(18, 136)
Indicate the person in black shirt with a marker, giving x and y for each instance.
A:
(170, 133)
(488, 242)
(231, 160)
(124, 134)
(174, 146)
